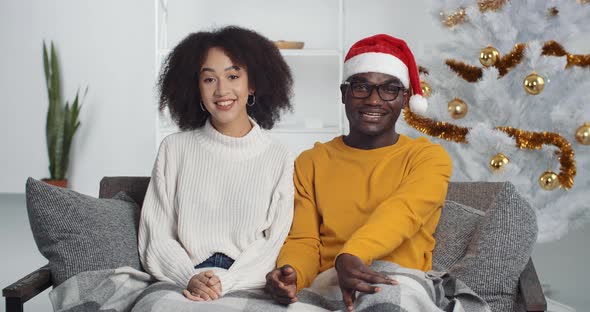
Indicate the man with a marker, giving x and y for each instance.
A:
(371, 195)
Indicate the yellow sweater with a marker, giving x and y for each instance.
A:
(380, 204)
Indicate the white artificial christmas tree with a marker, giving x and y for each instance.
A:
(515, 40)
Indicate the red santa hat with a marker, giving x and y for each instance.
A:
(388, 55)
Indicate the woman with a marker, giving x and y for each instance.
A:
(220, 201)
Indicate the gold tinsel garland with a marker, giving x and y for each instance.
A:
(471, 73)
(508, 61)
(439, 129)
(490, 5)
(459, 16)
(552, 48)
(524, 140)
(468, 72)
(455, 18)
(534, 140)
(423, 70)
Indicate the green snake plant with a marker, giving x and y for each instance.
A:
(62, 120)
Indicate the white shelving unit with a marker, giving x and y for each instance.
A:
(318, 114)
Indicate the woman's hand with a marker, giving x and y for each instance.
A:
(203, 287)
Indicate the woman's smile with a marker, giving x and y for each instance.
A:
(224, 105)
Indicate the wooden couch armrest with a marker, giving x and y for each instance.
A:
(26, 288)
(531, 290)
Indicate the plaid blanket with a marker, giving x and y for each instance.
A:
(126, 289)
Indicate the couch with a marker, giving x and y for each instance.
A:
(485, 237)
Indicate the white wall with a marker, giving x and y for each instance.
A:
(562, 267)
(409, 20)
(107, 45)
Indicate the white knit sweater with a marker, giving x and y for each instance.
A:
(214, 193)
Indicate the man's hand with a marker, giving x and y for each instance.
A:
(203, 287)
(281, 284)
(354, 275)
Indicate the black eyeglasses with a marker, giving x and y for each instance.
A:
(362, 90)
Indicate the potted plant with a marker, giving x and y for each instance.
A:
(62, 121)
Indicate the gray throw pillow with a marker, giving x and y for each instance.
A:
(455, 230)
(499, 249)
(78, 233)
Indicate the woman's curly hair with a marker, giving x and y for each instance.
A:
(268, 74)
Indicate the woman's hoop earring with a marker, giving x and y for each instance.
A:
(202, 107)
(251, 103)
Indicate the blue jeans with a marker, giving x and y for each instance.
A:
(218, 260)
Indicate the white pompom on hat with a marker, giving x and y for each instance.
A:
(387, 55)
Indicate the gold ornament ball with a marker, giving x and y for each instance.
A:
(534, 84)
(583, 134)
(489, 56)
(548, 181)
(457, 108)
(498, 162)
(426, 88)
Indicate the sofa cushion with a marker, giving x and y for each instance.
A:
(78, 233)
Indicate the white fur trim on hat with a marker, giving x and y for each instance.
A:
(418, 104)
(379, 63)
